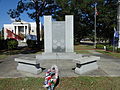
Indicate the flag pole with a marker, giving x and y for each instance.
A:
(113, 44)
(95, 28)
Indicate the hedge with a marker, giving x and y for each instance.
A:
(12, 44)
(8, 44)
(31, 43)
(100, 46)
(3, 44)
(108, 47)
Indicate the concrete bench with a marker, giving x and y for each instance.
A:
(85, 64)
(27, 64)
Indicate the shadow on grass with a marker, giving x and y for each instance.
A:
(20, 50)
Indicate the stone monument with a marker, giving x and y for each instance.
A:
(58, 44)
(58, 35)
(58, 39)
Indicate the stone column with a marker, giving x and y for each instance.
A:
(48, 34)
(69, 33)
(24, 34)
(24, 30)
(13, 29)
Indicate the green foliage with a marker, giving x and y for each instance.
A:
(106, 20)
(38, 8)
(118, 50)
(76, 42)
(3, 44)
(8, 44)
(12, 44)
(31, 43)
(100, 46)
(2, 34)
(83, 11)
(66, 83)
(109, 48)
(113, 54)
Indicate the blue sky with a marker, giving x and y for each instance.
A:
(5, 5)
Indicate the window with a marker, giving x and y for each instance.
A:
(21, 29)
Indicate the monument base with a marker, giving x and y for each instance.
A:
(86, 64)
(27, 64)
(63, 56)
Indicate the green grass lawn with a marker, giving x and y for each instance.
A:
(82, 51)
(83, 47)
(73, 83)
(3, 56)
(25, 50)
(113, 54)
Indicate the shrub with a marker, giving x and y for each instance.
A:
(100, 46)
(109, 48)
(118, 50)
(3, 44)
(31, 43)
(76, 42)
(12, 44)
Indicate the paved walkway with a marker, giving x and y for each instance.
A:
(108, 66)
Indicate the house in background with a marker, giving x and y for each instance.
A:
(21, 30)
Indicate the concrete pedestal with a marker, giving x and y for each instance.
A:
(86, 64)
(30, 65)
(65, 56)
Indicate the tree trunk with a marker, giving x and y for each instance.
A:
(38, 31)
(37, 24)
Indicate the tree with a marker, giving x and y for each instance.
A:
(83, 11)
(38, 7)
(107, 20)
(2, 34)
(80, 9)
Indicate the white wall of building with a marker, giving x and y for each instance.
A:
(33, 28)
(29, 28)
(9, 27)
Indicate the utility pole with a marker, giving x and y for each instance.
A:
(95, 27)
(118, 22)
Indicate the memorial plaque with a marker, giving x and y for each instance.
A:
(58, 36)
